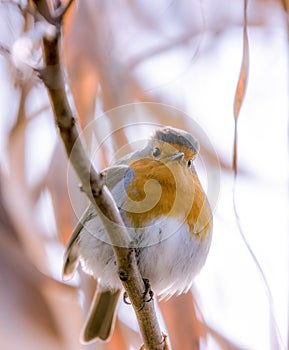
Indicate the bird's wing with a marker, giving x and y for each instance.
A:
(113, 176)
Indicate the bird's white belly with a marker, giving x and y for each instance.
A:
(170, 264)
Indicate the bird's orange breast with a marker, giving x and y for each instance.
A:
(160, 189)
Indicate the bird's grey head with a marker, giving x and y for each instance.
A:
(176, 136)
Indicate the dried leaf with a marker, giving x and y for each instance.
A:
(239, 97)
(242, 84)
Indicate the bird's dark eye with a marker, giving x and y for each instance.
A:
(156, 152)
(190, 162)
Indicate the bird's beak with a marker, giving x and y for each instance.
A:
(177, 156)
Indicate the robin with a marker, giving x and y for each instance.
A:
(168, 218)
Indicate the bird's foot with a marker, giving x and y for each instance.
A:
(148, 295)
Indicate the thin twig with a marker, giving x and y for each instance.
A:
(92, 184)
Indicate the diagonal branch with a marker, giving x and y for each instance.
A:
(93, 184)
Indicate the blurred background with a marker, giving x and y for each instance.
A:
(186, 54)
